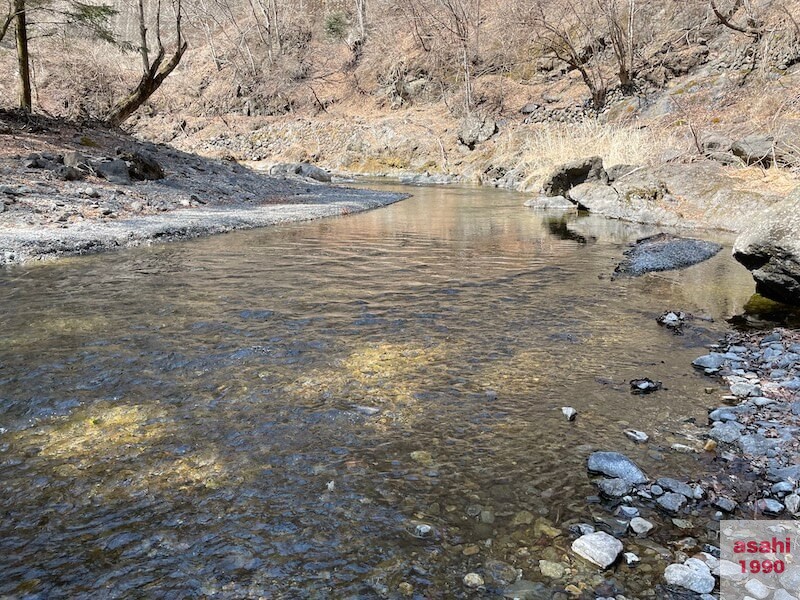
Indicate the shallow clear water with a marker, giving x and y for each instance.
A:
(173, 417)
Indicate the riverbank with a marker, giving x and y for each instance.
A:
(68, 189)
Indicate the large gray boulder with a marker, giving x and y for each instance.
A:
(303, 170)
(566, 176)
(770, 248)
(475, 130)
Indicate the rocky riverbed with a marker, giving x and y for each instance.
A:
(654, 521)
(66, 189)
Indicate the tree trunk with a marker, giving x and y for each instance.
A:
(148, 84)
(23, 59)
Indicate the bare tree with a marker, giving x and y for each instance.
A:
(569, 33)
(155, 70)
(620, 17)
(23, 57)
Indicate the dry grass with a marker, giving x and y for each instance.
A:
(550, 145)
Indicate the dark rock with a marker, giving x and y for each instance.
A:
(770, 249)
(568, 175)
(614, 464)
(644, 386)
(112, 170)
(664, 252)
(142, 166)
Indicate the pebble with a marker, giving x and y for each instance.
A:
(627, 512)
(673, 485)
(768, 506)
(656, 489)
(713, 361)
(644, 386)
(598, 548)
(725, 504)
(631, 558)
(523, 517)
(569, 412)
(792, 502)
(683, 448)
(614, 488)
(553, 570)
(743, 390)
(473, 580)
(641, 526)
(782, 488)
(726, 432)
(640, 437)
(672, 502)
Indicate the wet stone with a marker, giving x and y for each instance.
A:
(672, 502)
(641, 526)
(673, 485)
(614, 488)
(768, 506)
(598, 548)
(726, 432)
(725, 504)
(782, 488)
(523, 517)
(552, 570)
(640, 437)
(499, 572)
(473, 580)
(693, 575)
(614, 464)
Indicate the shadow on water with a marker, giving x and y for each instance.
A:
(272, 413)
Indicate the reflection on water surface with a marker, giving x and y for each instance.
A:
(272, 413)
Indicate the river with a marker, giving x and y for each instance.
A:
(274, 413)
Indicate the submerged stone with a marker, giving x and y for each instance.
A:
(664, 252)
